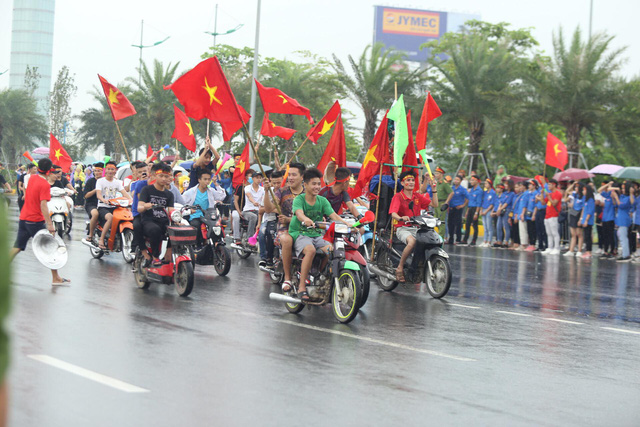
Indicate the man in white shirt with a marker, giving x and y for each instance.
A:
(108, 188)
(253, 198)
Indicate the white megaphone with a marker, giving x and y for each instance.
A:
(50, 250)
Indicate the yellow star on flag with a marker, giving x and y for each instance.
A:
(190, 128)
(556, 149)
(370, 156)
(211, 91)
(113, 97)
(284, 100)
(326, 126)
(273, 125)
(58, 154)
(241, 165)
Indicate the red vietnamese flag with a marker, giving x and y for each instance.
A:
(325, 124)
(229, 128)
(336, 148)
(276, 101)
(118, 103)
(205, 93)
(430, 111)
(378, 152)
(58, 154)
(241, 167)
(410, 154)
(557, 155)
(150, 153)
(183, 131)
(270, 129)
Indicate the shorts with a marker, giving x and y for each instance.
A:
(102, 213)
(573, 220)
(302, 241)
(89, 208)
(404, 232)
(26, 230)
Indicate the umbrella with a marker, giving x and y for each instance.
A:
(629, 173)
(257, 168)
(41, 150)
(517, 178)
(121, 164)
(168, 158)
(187, 165)
(606, 169)
(573, 174)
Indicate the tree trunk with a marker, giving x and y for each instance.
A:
(573, 143)
(370, 122)
(476, 132)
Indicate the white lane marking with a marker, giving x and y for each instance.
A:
(563, 321)
(464, 306)
(85, 373)
(514, 313)
(620, 330)
(367, 339)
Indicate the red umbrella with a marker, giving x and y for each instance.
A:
(573, 174)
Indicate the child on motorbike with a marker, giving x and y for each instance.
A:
(207, 197)
(107, 188)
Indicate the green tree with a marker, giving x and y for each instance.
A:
(31, 80)
(64, 89)
(20, 123)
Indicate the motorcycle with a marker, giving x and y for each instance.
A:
(244, 249)
(179, 271)
(338, 282)
(213, 250)
(59, 212)
(120, 236)
(353, 251)
(429, 261)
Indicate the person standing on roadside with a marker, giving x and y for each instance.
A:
(475, 195)
(443, 189)
(457, 201)
(623, 197)
(540, 212)
(35, 214)
(488, 203)
(575, 201)
(529, 215)
(553, 199)
(587, 220)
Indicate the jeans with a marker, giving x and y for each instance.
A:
(251, 217)
(265, 238)
(455, 224)
(504, 230)
(541, 233)
(553, 234)
(623, 237)
(489, 232)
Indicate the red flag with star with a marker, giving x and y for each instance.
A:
(410, 154)
(205, 93)
(58, 154)
(118, 103)
(229, 128)
(241, 166)
(325, 124)
(378, 152)
(336, 148)
(150, 154)
(277, 102)
(557, 155)
(271, 130)
(183, 131)
(430, 111)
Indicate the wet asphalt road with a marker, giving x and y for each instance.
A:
(519, 340)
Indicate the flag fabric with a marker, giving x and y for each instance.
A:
(229, 128)
(183, 131)
(241, 167)
(378, 152)
(325, 124)
(336, 148)
(118, 103)
(430, 111)
(150, 153)
(557, 155)
(205, 93)
(398, 114)
(277, 102)
(410, 155)
(271, 130)
(59, 155)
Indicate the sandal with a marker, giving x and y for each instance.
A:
(302, 296)
(64, 282)
(286, 284)
(102, 246)
(400, 276)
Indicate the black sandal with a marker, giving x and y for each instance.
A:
(302, 296)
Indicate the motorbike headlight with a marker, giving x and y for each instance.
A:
(176, 216)
(341, 228)
(217, 230)
(431, 222)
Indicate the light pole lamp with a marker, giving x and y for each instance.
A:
(142, 46)
(214, 34)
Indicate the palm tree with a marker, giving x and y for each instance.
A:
(97, 129)
(20, 122)
(576, 88)
(371, 84)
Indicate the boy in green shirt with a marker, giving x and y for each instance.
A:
(307, 209)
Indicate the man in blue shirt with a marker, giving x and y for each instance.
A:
(140, 171)
(474, 195)
(457, 201)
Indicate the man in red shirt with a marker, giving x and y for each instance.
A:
(553, 200)
(35, 214)
(404, 205)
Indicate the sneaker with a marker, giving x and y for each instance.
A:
(554, 252)
(547, 251)
(568, 253)
(636, 261)
(530, 248)
(621, 259)
(578, 254)
(472, 244)
(586, 256)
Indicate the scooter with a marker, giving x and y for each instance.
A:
(119, 236)
(179, 271)
(244, 249)
(353, 246)
(429, 261)
(59, 210)
(213, 250)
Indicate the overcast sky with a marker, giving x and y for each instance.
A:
(95, 37)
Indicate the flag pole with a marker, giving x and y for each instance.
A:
(297, 151)
(375, 224)
(122, 140)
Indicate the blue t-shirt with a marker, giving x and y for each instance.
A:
(540, 205)
(589, 209)
(518, 204)
(609, 210)
(510, 197)
(202, 199)
(531, 201)
(489, 199)
(499, 200)
(136, 188)
(475, 196)
(623, 219)
(636, 207)
(578, 203)
(459, 196)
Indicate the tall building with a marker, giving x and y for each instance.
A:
(32, 45)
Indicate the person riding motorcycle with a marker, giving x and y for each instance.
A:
(336, 190)
(106, 189)
(252, 196)
(207, 197)
(268, 227)
(404, 205)
(91, 199)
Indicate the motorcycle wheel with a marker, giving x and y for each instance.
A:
(60, 229)
(184, 279)
(384, 263)
(139, 274)
(345, 297)
(96, 253)
(127, 239)
(243, 254)
(277, 277)
(365, 279)
(221, 260)
(439, 283)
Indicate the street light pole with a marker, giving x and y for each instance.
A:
(255, 75)
(590, 17)
(141, 46)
